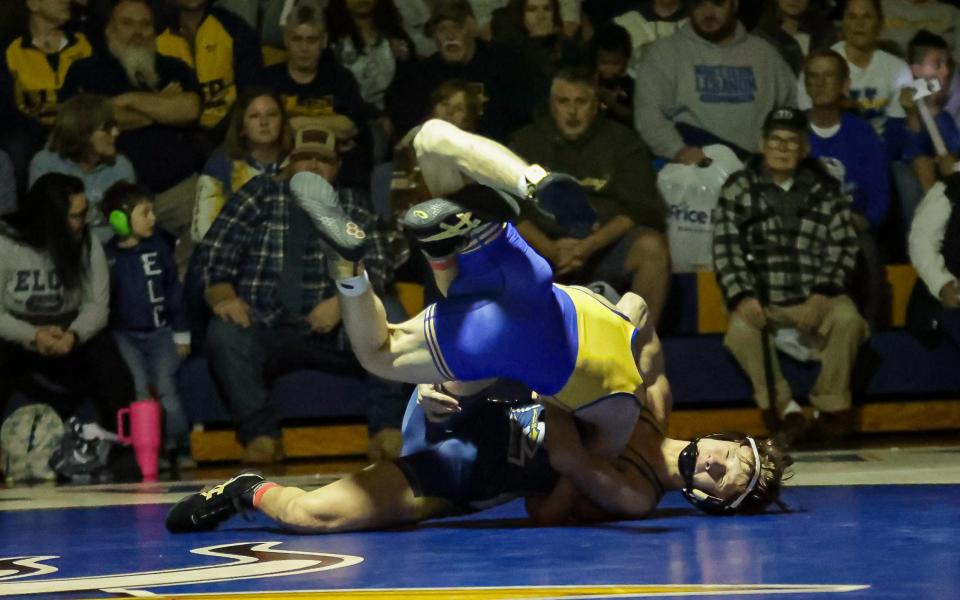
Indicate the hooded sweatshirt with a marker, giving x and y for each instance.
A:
(31, 293)
(609, 160)
(724, 90)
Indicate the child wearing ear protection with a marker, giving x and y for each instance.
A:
(147, 313)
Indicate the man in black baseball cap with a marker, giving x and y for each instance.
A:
(785, 142)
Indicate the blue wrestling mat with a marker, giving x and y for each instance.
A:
(871, 541)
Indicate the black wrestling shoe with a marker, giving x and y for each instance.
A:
(203, 511)
(561, 198)
(440, 227)
(319, 200)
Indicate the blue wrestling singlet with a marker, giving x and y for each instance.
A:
(489, 453)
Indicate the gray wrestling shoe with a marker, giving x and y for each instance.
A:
(318, 199)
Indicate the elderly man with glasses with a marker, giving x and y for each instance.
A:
(784, 247)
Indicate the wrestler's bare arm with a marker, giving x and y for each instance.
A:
(595, 478)
(650, 363)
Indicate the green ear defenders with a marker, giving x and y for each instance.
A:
(120, 222)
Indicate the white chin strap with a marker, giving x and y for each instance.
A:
(753, 480)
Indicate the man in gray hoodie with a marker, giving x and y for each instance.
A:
(710, 82)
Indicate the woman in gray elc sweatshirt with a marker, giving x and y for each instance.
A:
(54, 297)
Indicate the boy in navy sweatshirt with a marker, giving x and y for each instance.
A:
(147, 313)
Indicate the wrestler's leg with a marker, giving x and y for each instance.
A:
(379, 496)
(450, 158)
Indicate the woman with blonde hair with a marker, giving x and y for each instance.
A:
(257, 141)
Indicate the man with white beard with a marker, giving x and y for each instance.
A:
(157, 102)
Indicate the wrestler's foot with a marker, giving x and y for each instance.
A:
(318, 199)
(205, 510)
(561, 198)
(440, 226)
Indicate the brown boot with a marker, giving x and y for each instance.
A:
(837, 426)
(262, 450)
(793, 429)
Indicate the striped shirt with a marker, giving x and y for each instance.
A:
(244, 247)
(801, 240)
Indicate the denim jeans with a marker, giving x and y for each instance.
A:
(153, 361)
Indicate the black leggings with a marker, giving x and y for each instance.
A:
(93, 370)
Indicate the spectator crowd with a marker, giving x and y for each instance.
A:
(147, 149)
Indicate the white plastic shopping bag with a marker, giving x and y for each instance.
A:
(691, 193)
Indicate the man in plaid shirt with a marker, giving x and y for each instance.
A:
(784, 247)
(276, 306)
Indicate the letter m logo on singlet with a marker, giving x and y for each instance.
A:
(526, 435)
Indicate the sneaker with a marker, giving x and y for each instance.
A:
(205, 510)
(318, 199)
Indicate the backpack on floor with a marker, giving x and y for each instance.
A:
(29, 437)
(82, 454)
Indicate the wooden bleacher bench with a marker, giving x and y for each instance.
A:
(915, 389)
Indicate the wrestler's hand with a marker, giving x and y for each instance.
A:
(234, 310)
(325, 316)
(436, 404)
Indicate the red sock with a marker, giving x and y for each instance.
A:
(261, 490)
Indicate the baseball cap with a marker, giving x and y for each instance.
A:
(448, 10)
(313, 138)
(785, 118)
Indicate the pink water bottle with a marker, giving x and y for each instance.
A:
(145, 432)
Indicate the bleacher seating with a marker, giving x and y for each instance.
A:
(702, 374)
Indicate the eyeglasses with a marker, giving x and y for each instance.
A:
(783, 143)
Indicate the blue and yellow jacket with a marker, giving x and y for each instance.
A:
(36, 77)
(225, 56)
